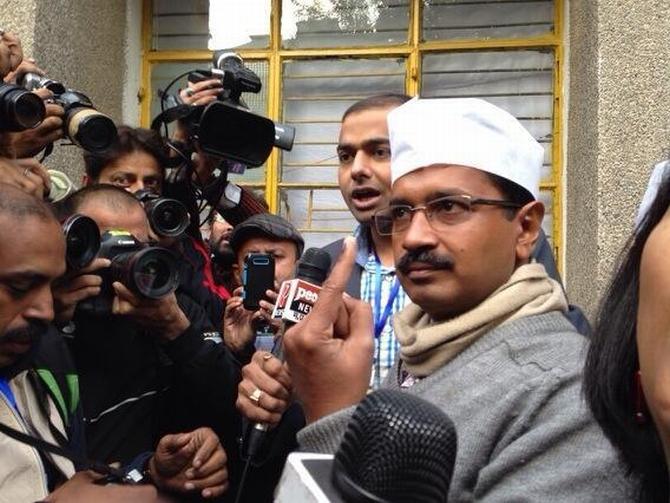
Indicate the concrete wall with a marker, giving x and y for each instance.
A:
(80, 42)
(618, 127)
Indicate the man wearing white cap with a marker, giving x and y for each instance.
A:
(486, 338)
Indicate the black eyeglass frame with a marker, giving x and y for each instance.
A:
(382, 219)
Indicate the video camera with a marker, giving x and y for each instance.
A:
(226, 127)
(19, 109)
(149, 271)
(83, 124)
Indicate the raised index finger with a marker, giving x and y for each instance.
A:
(325, 311)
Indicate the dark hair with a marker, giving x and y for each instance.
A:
(130, 140)
(17, 204)
(389, 100)
(105, 194)
(612, 363)
(511, 191)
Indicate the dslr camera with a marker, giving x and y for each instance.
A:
(168, 218)
(19, 109)
(226, 127)
(148, 271)
(83, 124)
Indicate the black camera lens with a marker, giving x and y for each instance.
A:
(82, 240)
(151, 272)
(90, 129)
(168, 217)
(19, 109)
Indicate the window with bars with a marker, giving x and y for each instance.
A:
(317, 57)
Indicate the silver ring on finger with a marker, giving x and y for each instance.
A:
(189, 92)
(27, 171)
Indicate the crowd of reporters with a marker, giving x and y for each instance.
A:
(128, 343)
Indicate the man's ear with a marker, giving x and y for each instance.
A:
(529, 219)
(86, 180)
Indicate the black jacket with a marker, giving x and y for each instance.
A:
(196, 279)
(135, 389)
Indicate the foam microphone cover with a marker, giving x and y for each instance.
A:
(397, 448)
(313, 266)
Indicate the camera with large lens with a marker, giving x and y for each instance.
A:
(168, 218)
(19, 109)
(82, 241)
(148, 271)
(83, 124)
(226, 127)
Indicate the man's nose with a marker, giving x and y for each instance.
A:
(360, 166)
(420, 233)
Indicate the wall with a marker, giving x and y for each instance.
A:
(618, 127)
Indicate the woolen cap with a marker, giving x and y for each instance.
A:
(466, 132)
(269, 225)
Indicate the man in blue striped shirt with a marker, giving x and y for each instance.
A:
(364, 176)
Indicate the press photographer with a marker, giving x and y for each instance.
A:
(137, 163)
(278, 239)
(147, 366)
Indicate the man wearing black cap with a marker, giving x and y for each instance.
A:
(262, 233)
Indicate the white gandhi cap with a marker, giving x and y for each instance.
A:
(467, 132)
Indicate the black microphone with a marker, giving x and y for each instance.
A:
(396, 448)
(295, 299)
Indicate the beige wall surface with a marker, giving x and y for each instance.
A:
(82, 44)
(618, 127)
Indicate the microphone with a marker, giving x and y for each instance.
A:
(297, 297)
(397, 448)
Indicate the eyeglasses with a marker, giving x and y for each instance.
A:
(441, 213)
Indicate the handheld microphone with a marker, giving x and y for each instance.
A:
(397, 448)
(295, 300)
(297, 297)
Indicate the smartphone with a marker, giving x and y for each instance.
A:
(257, 277)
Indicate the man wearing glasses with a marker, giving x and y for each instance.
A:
(364, 177)
(486, 338)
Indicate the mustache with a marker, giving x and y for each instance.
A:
(32, 330)
(425, 257)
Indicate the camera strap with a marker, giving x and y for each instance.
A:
(111, 474)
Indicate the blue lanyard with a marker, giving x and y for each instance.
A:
(7, 391)
(379, 315)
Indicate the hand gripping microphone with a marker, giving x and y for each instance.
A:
(295, 300)
(396, 448)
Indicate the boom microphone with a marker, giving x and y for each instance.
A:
(397, 448)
